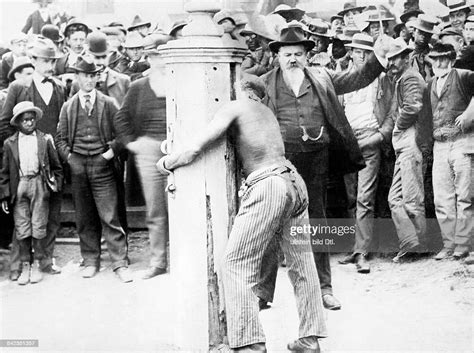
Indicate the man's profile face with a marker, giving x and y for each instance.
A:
(292, 57)
(27, 123)
(421, 37)
(87, 81)
(44, 66)
(359, 56)
(458, 18)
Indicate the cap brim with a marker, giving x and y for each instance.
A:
(357, 8)
(38, 111)
(359, 46)
(461, 8)
(276, 45)
(16, 69)
(415, 25)
(148, 24)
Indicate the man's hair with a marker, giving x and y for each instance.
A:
(254, 84)
(444, 50)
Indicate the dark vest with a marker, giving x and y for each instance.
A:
(49, 122)
(87, 139)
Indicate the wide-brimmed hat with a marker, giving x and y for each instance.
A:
(118, 25)
(44, 48)
(76, 25)
(456, 5)
(319, 28)
(292, 34)
(425, 23)
(138, 22)
(410, 13)
(442, 50)
(111, 31)
(259, 25)
(177, 26)
(350, 6)
(153, 40)
(52, 32)
(18, 65)
(361, 41)
(97, 44)
(337, 17)
(450, 31)
(85, 63)
(133, 40)
(348, 33)
(23, 107)
(286, 11)
(397, 46)
(223, 14)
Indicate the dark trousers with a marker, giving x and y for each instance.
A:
(25, 246)
(313, 167)
(95, 197)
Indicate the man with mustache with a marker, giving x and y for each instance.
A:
(48, 94)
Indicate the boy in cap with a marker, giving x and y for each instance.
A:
(30, 168)
(18, 50)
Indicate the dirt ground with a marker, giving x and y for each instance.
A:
(422, 306)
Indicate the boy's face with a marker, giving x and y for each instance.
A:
(27, 123)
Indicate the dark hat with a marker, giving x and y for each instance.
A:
(85, 63)
(119, 25)
(138, 22)
(97, 44)
(222, 15)
(335, 17)
(362, 41)
(18, 65)
(52, 32)
(319, 28)
(286, 11)
(44, 48)
(348, 33)
(350, 6)
(456, 5)
(425, 23)
(398, 28)
(410, 13)
(293, 34)
(134, 40)
(442, 50)
(450, 31)
(76, 25)
(397, 46)
(23, 107)
(177, 26)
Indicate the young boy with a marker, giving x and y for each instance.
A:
(30, 169)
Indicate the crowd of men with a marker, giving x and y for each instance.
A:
(79, 104)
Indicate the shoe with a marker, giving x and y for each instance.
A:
(256, 347)
(14, 274)
(36, 275)
(51, 269)
(305, 345)
(124, 274)
(405, 253)
(362, 264)
(263, 304)
(460, 252)
(330, 302)
(443, 254)
(89, 271)
(349, 259)
(470, 259)
(153, 272)
(25, 274)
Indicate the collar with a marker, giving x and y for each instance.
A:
(23, 136)
(38, 79)
(82, 93)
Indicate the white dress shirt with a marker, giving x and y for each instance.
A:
(82, 99)
(28, 153)
(45, 89)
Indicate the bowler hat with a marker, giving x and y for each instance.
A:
(75, 24)
(425, 23)
(362, 41)
(133, 40)
(319, 28)
(292, 34)
(138, 22)
(222, 15)
(397, 46)
(18, 65)
(456, 5)
(410, 13)
(23, 107)
(52, 32)
(337, 17)
(97, 44)
(350, 6)
(44, 48)
(85, 63)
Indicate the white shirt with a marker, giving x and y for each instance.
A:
(440, 84)
(45, 89)
(82, 99)
(359, 107)
(44, 12)
(28, 153)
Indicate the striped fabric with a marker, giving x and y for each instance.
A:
(275, 199)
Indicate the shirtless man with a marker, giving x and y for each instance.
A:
(273, 203)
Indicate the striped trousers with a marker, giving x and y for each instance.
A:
(274, 202)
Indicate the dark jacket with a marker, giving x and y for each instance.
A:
(345, 156)
(35, 22)
(7, 63)
(106, 109)
(18, 93)
(49, 164)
